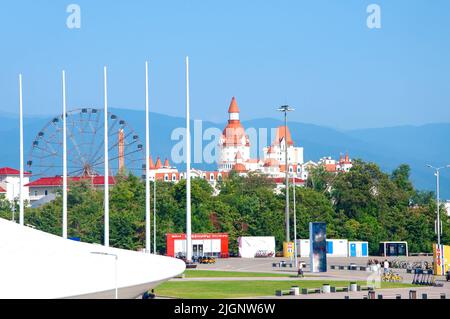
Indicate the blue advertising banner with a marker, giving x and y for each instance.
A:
(318, 251)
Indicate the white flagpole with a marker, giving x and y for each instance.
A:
(147, 168)
(295, 223)
(188, 169)
(106, 181)
(64, 221)
(154, 216)
(21, 218)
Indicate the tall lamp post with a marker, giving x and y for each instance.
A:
(286, 109)
(438, 223)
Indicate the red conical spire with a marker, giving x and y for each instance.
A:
(150, 163)
(166, 163)
(158, 163)
(233, 106)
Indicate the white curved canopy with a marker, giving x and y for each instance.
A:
(34, 264)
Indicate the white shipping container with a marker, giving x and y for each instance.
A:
(337, 248)
(303, 247)
(249, 246)
(358, 249)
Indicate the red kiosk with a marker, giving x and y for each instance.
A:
(212, 244)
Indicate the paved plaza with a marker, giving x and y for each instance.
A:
(266, 265)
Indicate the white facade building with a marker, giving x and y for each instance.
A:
(447, 207)
(234, 147)
(331, 165)
(10, 184)
(275, 155)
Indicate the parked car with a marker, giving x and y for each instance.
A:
(206, 260)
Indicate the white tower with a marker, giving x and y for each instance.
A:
(233, 140)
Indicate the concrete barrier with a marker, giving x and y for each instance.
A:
(326, 289)
(295, 290)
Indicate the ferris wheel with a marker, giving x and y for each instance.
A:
(85, 146)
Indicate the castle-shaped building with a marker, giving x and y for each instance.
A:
(235, 146)
(235, 155)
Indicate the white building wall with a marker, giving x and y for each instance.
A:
(12, 186)
(295, 154)
(447, 207)
(37, 193)
(227, 157)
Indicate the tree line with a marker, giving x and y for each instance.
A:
(364, 204)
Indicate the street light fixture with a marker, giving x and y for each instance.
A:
(295, 222)
(115, 268)
(286, 109)
(438, 222)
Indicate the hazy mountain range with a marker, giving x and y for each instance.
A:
(388, 147)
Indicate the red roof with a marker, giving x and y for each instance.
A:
(282, 180)
(281, 134)
(330, 167)
(271, 162)
(151, 164)
(233, 106)
(11, 171)
(166, 163)
(2, 190)
(58, 181)
(158, 164)
(234, 133)
(239, 167)
(345, 160)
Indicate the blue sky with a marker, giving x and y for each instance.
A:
(318, 56)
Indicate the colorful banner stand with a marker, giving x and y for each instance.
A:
(318, 250)
(441, 257)
(288, 250)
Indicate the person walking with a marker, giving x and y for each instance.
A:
(386, 266)
(300, 269)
